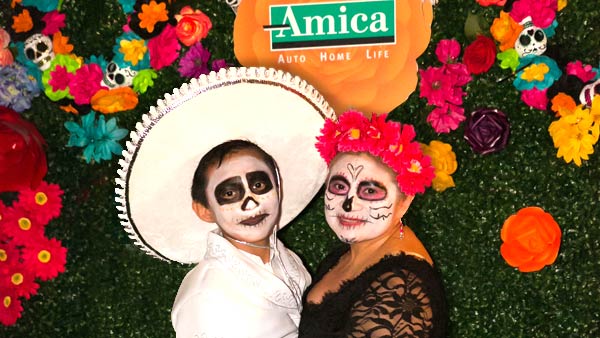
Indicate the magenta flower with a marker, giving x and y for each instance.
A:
(54, 22)
(584, 72)
(164, 48)
(85, 83)
(195, 62)
(447, 51)
(59, 78)
(218, 64)
(446, 118)
(535, 98)
(542, 12)
(436, 86)
(459, 72)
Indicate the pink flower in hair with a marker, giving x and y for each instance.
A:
(381, 133)
(416, 174)
(353, 126)
(328, 140)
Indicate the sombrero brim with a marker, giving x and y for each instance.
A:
(279, 112)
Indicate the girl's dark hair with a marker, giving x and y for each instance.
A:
(216, 156)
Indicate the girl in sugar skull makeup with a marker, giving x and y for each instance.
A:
(381, 282)
(204, 182)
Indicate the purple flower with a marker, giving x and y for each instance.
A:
(17, 89)
(487, 130)
(195, 61)
(218, 64)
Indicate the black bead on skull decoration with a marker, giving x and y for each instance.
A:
(38, 49)
(531, 41)
(115, 76)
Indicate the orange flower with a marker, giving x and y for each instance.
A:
(61, 44)
(563, 104)
(374, 78)
(114, 100)
(531, 239)
(22, 23)
(192, 25)
(506, 31)
(151, 14)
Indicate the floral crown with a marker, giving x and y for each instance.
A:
(391, 141)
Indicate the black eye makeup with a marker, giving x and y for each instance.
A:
(338, 185)
(230, 191)
(371, 191)
(259, 182)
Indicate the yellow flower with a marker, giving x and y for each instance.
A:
(574, 135)
(443, 160)
(561, 4)
(151, 14)
(133, 50)
(535, 72)
(563, 104)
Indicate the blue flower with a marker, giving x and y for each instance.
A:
(17, 88)
(549, 77)
(551, 30)
(97, 137)
(127, 5)
(41, 5)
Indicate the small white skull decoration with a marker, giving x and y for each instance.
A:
(531, 41)
(115, 76)
(38, 49)
(588, 92)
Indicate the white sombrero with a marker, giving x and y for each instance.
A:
(279, 112)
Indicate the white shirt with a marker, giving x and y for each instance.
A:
(232, 294)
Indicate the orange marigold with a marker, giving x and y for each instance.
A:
(22, 22)
(563, 104)
(114, 100)
(151, 14)
(506, 31)
(61, 44)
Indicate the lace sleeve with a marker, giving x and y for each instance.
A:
(396, 304)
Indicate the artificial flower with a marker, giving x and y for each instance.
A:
(6, 57)
(435, 85)
(22, 22)
(61, 44)
(509, 59)
(133, 50)
(195, 62)
(164, 48)
(487, 131)
(46, 258)
(54, 22)
(531, 239)
(584, 72)
(540, 72)
(114, 100)
(127, 5)
(459, 74)
(446, 117)
(218, 64)
(535, 98)
(480, 55)
(143, 80)
(447, 51)
(486, 3)
(563, 104)
(20, 281)
(42, 5)
(85, 83)
(416, 174)
(328, 140)
(17, 89)
(32, 68)
(97, 137)
(10, 254)
(151, 14)
(20, 225)
(71, 65)
(379, 134)
(574, 135)
(506, 31)
(10, 308)
(59, 78)
(541, 12)
(122, 55)
(443, 160)
(561, 4)
(44, 202)
(192, 25)
(22, 152)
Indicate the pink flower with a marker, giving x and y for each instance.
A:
(584, 72)
(447, 50)
(6, 57)
(535, 98)
(54, 22)
(353, 126)
(195, 61)
(435, 85)
(59, 78)
(327, 141)
(446, 118)
(85, 83)
(164, 48)
(417, 172)
(542, 12)
(381, 133)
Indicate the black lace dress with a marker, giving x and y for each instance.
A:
(400, 296)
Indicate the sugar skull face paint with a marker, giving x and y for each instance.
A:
(243, 197)
(361, 197)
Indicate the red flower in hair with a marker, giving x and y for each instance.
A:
(353, 126)
(10, 307)
(328, 140)
(381, 133)
(46, 257)
(43, 203)
(417, 172)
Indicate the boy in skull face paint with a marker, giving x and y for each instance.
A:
(236, 290)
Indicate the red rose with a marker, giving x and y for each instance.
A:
(480, 55)
(192, 25)
(22, 156)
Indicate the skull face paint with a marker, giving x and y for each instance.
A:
(243, 198)
(361, 197)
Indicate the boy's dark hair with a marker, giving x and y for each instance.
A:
(216, 156)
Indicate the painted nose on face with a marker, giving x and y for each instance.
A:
(347, 206)
(249, 203)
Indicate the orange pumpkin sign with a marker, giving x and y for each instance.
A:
(359, 54)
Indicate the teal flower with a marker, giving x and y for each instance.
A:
(538, 72)
(97, 137)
